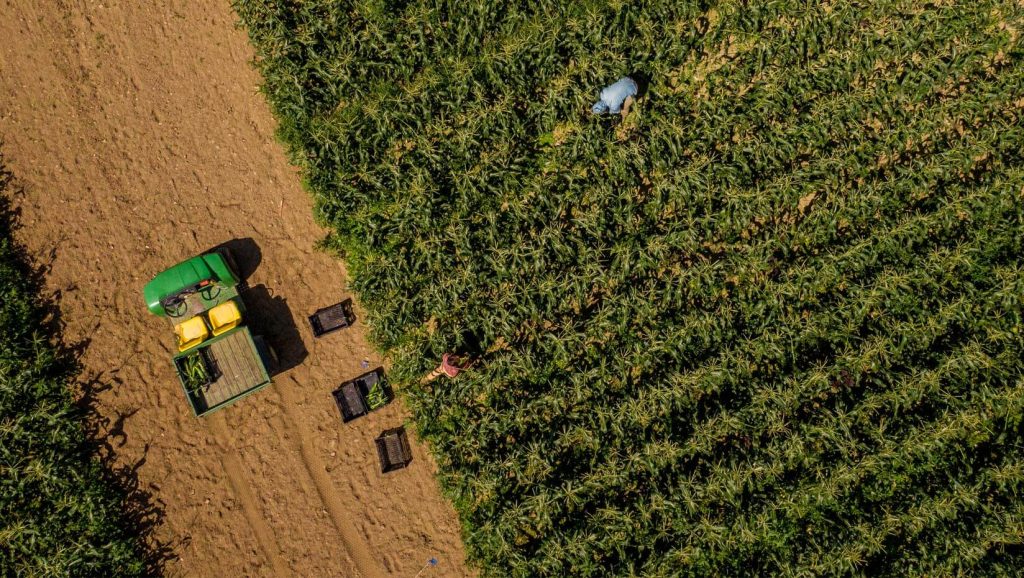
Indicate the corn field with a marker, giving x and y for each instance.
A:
(60, 514)
(768, 323)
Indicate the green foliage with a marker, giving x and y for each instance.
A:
(767, 324)
(377, 397)
(58, 516)
(194, 372)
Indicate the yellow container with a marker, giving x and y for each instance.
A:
(190, 333)
(224, 317)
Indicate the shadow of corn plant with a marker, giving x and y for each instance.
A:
(67, 508)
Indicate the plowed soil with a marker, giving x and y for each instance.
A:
(139, 138)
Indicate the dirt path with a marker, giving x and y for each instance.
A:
(139, 137)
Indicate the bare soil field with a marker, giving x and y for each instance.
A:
(138, 136)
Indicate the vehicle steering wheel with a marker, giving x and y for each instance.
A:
(208, 294)
(175, 306)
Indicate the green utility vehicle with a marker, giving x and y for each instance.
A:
(219, 361)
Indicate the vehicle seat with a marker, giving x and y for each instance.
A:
(225, 317)
(190, 333)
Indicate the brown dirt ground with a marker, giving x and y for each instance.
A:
(138, 136)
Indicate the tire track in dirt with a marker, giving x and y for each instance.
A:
(250, 507)
(356, 546)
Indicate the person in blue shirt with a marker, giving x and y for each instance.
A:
(613, 97)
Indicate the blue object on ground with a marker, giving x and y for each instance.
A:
(613, 96)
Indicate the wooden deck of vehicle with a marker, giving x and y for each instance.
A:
(239, 367)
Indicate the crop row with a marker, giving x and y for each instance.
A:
(765, 324)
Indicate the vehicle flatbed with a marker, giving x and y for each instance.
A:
(238, 369)
(238, 365)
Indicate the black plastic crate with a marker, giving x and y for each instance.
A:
(333, 318)
(366, 393)
(212, 370)
(349, 401)
(393, 449)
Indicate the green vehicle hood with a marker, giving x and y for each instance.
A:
(186, 274)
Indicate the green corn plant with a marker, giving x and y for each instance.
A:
(704, 331)
(60, 515)
(377, 396)
(195, 373)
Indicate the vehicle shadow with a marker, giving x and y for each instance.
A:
(270, 317)
(246, 254)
